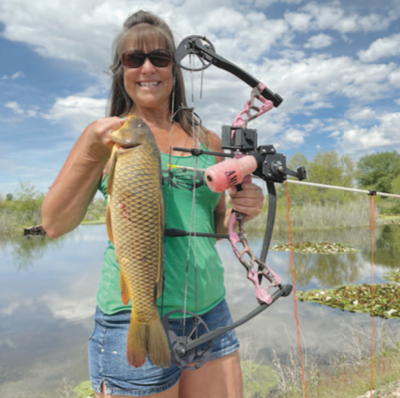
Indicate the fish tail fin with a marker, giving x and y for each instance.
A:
(137, 343)
(158, 346)
(147, 338)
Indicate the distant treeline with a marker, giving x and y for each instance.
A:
(21, 208)
(379, 172)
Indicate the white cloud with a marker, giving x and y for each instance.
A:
(267, 3)
(298, 20)
(319, 80)
(384, 47)
(95, 23)
(306, 83)
(16, 75)
(10, 309)
(18, 111)
(319, 41)
(315, 124)
(333, 17)
(79, 111)
(15, 107)
(316, 16)
(292, 138)
(354, 139)
(361, 114)
(397, 101)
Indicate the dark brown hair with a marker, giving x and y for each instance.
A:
(141, 28)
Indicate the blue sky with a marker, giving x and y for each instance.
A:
(335, 63)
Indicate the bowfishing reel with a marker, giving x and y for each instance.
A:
(271, 166)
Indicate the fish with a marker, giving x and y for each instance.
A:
(135, 225)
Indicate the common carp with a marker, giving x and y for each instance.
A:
(135, 224)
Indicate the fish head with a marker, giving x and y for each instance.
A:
(132, 133)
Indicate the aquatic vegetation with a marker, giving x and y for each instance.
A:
(393, 275)
(316, 247)
(358, 298)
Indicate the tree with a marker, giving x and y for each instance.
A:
(327, 167)
(378, 171)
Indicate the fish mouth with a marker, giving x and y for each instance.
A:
(126, 145)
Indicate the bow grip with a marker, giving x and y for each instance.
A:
(230, 172)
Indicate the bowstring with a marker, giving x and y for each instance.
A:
(169, 178)
(192, 226)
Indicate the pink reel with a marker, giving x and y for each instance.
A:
(230, 172)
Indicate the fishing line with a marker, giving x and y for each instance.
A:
(294, 292)
(372, 211)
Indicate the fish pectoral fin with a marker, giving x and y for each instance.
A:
(108, 222)
(112, 170)
(124, 289)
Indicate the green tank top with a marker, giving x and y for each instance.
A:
(178, 199)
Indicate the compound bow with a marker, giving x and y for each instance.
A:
(271, 167)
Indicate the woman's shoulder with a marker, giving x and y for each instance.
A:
(214, 142)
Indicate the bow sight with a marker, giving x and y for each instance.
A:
(191, 351)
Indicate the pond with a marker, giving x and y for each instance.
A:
(48, 287)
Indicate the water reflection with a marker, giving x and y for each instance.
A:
(387, 246)
(26, 250)
(46, 310)
(327, 270)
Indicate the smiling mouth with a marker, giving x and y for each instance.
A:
(148, 84)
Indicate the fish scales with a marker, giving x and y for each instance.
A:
(135, 224)
(137, 237)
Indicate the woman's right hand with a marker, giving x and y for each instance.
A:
(66, 202)
(98, 143)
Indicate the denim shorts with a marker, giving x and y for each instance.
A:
(107, 354)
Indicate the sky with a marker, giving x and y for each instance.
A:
(335, 63)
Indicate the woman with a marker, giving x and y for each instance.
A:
(147, 82)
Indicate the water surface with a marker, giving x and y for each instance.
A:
(48, 287)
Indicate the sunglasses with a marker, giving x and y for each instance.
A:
(135, 58)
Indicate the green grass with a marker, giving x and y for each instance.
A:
(315, 216)
(352, 382)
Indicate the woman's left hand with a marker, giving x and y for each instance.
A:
(249, 201)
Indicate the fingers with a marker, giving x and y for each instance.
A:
(248, 201)
(99, 143)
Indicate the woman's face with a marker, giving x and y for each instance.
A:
(148, 85)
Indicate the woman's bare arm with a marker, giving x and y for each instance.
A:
(66, 202)
(248, 201)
